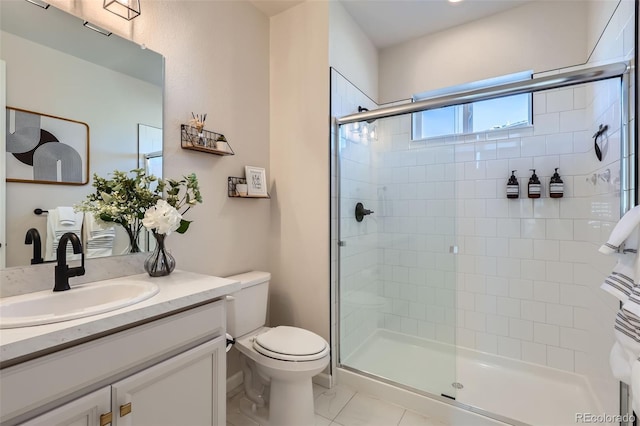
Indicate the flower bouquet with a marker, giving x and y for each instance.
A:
(131, 202)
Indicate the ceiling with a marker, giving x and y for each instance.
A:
(389, 22)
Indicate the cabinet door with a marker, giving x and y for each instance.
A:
(85, 411)
(188, 389)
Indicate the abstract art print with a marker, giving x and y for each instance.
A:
(42, 148)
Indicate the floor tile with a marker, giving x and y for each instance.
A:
(234, 415)
(321, 421)
(329, 403)
(368, 411)
(317, 390)
(414, 419)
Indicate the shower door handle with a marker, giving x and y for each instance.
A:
(361, 212)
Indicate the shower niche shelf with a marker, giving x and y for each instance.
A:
(204, 141)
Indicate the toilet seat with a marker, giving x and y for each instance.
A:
(291, 344)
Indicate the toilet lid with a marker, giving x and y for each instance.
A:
(291, 344)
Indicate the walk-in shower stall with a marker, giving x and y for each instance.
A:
(446, 287)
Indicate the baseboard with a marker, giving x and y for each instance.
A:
(324, 380)
(233, 382)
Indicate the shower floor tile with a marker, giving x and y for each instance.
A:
(342, 406)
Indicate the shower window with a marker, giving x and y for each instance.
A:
(493, 114)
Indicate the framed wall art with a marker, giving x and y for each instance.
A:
(43, 148)
(256, 181)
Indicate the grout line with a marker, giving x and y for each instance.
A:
(345, 406)
(402, 417)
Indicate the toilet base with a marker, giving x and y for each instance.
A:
(280, 411)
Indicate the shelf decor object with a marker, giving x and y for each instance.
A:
(256, 181)
(232, 192)
(204, 141)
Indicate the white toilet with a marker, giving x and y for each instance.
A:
(278, 363)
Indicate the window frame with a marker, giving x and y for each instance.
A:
(465, 117)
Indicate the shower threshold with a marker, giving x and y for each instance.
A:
(512, 391)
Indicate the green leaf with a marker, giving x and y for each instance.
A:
(184, 225)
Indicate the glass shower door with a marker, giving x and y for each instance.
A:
(397, 262)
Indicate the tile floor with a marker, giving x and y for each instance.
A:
(342, 406)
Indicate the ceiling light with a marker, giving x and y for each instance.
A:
(97, 28)
(454, 1)
(39, 3)
(127, 9)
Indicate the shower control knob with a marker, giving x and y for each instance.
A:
(361, 212)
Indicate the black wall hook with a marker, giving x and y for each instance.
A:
(598, 134)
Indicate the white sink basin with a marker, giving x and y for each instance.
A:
(45, 307)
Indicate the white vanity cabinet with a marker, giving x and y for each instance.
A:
(84, 411)
(167, 371)
(188, 389)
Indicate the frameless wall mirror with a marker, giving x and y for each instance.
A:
(100, 92)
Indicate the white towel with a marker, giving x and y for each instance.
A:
(66, 216)
(98, 238)
(621, 280)
(635, 386)
(623, 229)
(619, 362)
(624, 284)
(55, 230)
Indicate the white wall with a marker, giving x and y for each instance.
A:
(540, 35)
(299, 228)
(82, 91)
(216, 62)
(351, 52)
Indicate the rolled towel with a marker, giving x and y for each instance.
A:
(623, 229)
(66, 216)
(55, 230)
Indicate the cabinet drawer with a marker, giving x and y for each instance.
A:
(43, 383)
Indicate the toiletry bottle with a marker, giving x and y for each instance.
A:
(513, 188)
(556, 186)
(535, 188)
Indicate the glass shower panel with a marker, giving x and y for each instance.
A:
(397, 265)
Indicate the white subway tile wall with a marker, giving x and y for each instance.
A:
(524, 267)
(359, 271)
(525, 281)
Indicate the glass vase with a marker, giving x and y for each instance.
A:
(133, 240)
(160, 263)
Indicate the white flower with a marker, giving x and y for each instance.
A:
(163, 218)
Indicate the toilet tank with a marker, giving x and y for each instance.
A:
(247, 308)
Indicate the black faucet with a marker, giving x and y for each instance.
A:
(63, 272)
(33, 237)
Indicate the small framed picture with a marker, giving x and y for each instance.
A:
(256, 181)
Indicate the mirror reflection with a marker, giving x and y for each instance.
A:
(57, 67)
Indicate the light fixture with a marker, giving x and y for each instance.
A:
(455, 1)
(363, 131)
(127, 9)
(39, 3)
(97, 28)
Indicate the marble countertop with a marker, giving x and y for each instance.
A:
(178, 291)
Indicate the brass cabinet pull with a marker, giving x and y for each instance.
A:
(105, 419)
(125, 409)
